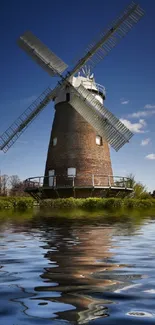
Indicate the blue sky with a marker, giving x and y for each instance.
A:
(128, 73)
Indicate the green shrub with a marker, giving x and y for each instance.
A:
(59, 203)
(3, 205)
(98, 203)
(24, 204)
(139, 190)
(89, 203)
(139, 203)
(114, 204)
(16, 202)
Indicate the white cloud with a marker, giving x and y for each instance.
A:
(124, 102)
(151, 156)
(134, 127)
(145, 142)
(149, 106)
(141, 114)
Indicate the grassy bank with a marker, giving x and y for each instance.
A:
(98, 203)
(16, 202)
(71, 203)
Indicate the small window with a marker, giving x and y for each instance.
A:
(54, 142)
(67, 97)
(71, 172)
(98, 140)
(51, 174)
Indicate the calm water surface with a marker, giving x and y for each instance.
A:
(56, 271)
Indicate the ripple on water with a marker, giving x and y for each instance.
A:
(142, 313)
(74, 273)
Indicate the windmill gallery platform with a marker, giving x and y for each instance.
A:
(78, 160)
(97, 186)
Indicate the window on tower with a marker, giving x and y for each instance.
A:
(54, 142)
(71, 172)
(98, 140)
(67, 97)
(51, 174)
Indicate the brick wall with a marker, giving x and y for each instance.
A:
(76, 147)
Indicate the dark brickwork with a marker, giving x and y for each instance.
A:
(76, 147)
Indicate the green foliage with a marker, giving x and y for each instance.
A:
(93, 204)
(98, 203)
(139, 203)
(24, 204)
(131, 181)
(139, 190)
(59, 203)
(16, 202)
(89, 203)
(3, 205)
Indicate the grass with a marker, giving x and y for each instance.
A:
(98, 203)
(93, 204)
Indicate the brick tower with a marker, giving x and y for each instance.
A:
(77, 155)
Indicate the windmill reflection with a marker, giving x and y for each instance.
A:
(77, 256)
(65, 268)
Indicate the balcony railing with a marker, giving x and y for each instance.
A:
(101, 89)
(80, 181)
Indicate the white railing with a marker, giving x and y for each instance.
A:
(91, 86)
(85, 180)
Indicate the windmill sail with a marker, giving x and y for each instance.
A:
(103, 121)
(41, 54)
(96, 51)
(9, 137)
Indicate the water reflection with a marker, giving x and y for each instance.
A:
(78, 254)
(55, 271)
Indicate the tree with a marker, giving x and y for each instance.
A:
(139, 190)
(131, 181)
(20, 189)
(12, 185)
(14, 180)
(17, 187)
(3, 185)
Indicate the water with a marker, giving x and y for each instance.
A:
(88, 271)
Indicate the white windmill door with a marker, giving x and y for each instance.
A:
(51, 177)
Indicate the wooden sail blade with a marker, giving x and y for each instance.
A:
(110, 37)
(104, 122)
(9, 137)
(49, 61)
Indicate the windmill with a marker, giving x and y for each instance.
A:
(83, 127)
